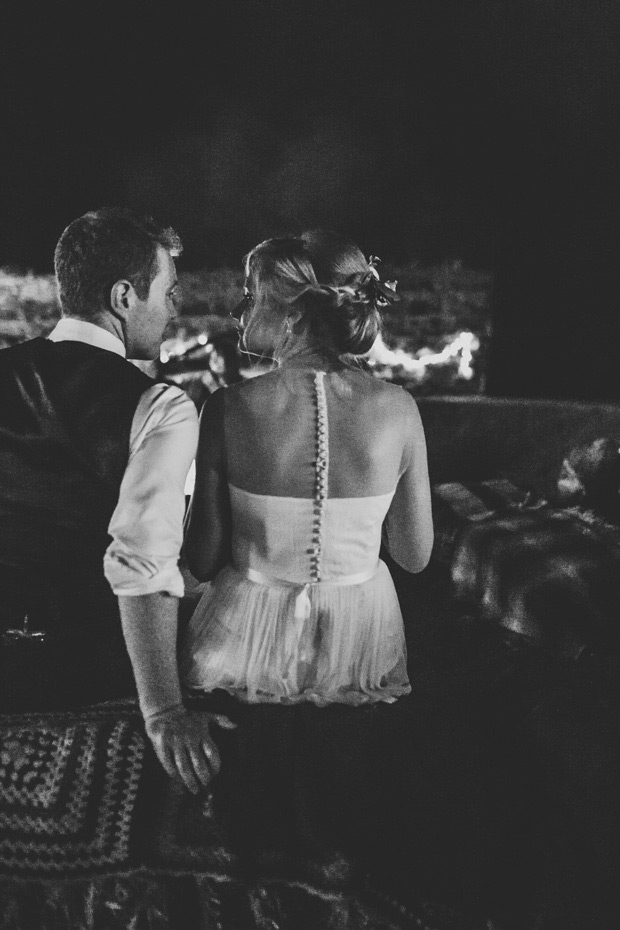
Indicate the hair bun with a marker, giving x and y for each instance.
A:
(351, 314)
(330, 280)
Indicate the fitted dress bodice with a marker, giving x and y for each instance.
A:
(306, 611)
(275, 535)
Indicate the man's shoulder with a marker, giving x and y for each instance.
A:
(77, 366)
(170, 393)
(67, 350)
(20, 349)
(163, 403)
(16, 360)
(116, 369)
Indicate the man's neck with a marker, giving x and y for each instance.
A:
(104, 321)
(80, 329)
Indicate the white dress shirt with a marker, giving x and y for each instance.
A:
(147, 524)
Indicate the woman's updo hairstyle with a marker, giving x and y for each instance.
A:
(351, 310)
(328, 278)
(281, 268)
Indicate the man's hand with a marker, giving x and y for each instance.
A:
(184, 745)
(181, 738)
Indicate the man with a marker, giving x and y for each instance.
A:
(86, 436)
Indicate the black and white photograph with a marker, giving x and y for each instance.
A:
(310, 465)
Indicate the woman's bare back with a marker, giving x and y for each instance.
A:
(270, 433)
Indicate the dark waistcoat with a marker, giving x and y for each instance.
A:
(66, 411)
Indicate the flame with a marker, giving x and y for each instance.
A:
(462, 346)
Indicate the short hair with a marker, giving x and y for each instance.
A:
(105, 246)
(329, 279)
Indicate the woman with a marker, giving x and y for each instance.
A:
(298, 640)
(298, 472)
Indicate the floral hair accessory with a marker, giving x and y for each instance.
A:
(384, 292)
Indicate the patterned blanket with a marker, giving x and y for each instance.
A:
(69, 787)
(93, 833)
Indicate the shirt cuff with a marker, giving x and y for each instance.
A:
(130, 575)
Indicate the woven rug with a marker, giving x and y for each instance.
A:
(92, 833)
(69, 785)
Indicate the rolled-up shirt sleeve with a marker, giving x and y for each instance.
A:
(147, 524)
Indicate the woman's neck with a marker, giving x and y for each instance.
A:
(320, 358)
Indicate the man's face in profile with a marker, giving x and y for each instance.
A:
(150, 316)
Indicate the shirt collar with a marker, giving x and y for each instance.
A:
(70, 328)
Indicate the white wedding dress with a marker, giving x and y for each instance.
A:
(307, 611)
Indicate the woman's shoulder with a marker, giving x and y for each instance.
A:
(275, 388)
(250, 398)
(393, 412)
(392, 396)
(243, 391)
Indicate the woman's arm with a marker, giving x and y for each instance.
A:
(208, 525)
(408, 527)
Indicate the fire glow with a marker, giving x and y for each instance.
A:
(461, 347)
(179, 346)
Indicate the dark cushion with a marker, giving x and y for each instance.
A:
(548, 573)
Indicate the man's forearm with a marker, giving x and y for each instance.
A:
(150, 628)
(182, 740)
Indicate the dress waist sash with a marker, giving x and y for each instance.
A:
(262, 578)
(303, 606)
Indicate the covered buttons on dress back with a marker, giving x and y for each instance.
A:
(321, 473)
(302, 601)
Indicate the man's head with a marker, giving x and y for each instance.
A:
(116, 269)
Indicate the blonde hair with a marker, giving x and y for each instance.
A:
(325, 276)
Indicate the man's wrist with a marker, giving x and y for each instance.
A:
(168, 710)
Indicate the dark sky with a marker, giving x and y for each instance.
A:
(256, 116)
(482, 129)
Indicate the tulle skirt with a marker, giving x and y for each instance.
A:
(244, 638)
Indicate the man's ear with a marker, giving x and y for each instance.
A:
(122, 298)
